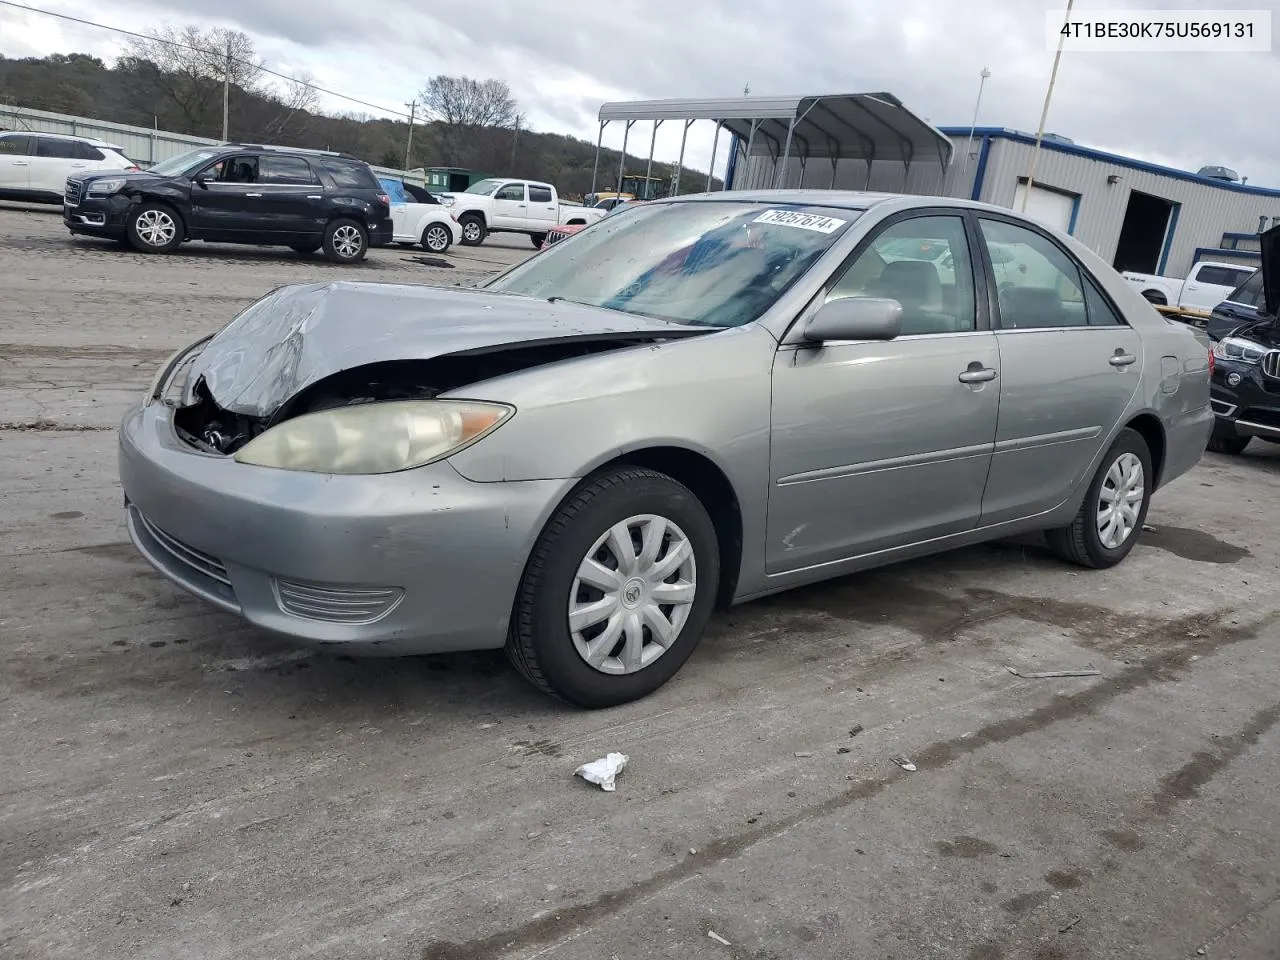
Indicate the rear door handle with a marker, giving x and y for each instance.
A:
(977, 374)
(1122, 359)
(253, 194)
(315, 196)
(22, 163)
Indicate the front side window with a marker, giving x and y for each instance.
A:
(239, 170)
(710, 263)
(512, 191)
(1039, 285)
(184, 163)
(924, 263)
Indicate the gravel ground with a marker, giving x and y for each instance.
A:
(177, 785)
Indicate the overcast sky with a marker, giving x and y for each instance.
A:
(563, 58)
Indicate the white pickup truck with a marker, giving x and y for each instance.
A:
(1206, 286)
(499, 205)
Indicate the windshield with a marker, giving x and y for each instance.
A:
(484, 186)
(708, 263)
(183, 163)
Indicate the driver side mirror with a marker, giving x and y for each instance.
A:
(855, 318)
(201, 180)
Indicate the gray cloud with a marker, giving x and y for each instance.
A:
(563, 59)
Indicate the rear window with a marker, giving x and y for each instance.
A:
(347, 173)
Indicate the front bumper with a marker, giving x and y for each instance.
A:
(97, 216)
(422, 561)
(1251, 406)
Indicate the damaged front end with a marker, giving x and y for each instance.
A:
(309, 349)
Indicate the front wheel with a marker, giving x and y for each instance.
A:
(617, 591)
(1226, 441)
(154, 228)
(1111, 517)
(538, 239)
(436, 238)
(345, 241)
(473, 230)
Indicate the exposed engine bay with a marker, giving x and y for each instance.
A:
(212, 429)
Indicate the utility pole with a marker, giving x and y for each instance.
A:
(408, 145)
(1035, 153)
(226, 93)
(515, 133)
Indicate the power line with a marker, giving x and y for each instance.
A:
(218, 54)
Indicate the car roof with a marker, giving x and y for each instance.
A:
(92, 141)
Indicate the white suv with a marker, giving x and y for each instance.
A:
(35, 166)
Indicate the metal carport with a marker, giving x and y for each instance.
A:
(848, 126)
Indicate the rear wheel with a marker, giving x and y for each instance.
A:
(537, 239)
(345, 241)
(436, 238)
(617, 591)
(1111, 517)
(154, 228)
(473, 230)
(1226, 440)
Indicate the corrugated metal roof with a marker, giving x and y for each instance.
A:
(1018, 136)
(850, 126)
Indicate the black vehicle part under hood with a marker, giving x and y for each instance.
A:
(298, 335)
(1269, 242)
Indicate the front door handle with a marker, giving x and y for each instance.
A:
(977, 373)
(253, 194)
(1122, 359)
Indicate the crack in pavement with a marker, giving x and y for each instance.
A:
(1202, 635)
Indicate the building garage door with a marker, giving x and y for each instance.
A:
(1053, 208)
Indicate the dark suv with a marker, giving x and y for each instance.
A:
(1245, 379)
(238, 193)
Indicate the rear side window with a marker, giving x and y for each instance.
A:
(1101, 313)
(59, 149)
(15, 146)
(539, 194)
(1039, 286)
(285, 170)
(1222, 276)
(346, 173)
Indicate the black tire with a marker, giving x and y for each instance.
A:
(306, 249)
(537, 239)
(436, 238)
(155, 228)
(473, 229)
(1225, 440)
(539, 642)
(1080, 542)
(345, 241)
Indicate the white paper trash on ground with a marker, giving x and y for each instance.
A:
(603, 771)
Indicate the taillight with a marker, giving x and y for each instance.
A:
(384, 199)
(1211, 361)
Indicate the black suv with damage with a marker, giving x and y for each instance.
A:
(1245, 375)
(238, 193)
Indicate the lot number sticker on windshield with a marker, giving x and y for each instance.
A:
(805, 221)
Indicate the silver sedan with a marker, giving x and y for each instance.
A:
(699, 403)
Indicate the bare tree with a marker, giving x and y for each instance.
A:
(197, 62)
(296, 99)
(464, 102)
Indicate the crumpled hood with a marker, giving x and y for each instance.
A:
(1265, 333)
(298, 335)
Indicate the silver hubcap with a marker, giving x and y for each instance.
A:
(347, 241)
(632, 594)
(1120, 501)
(471, 230)
(155, 227)
(437, 239)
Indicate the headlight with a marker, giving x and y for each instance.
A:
(446, 201)
(103, 188)
(1241, 351)
(381, 437)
